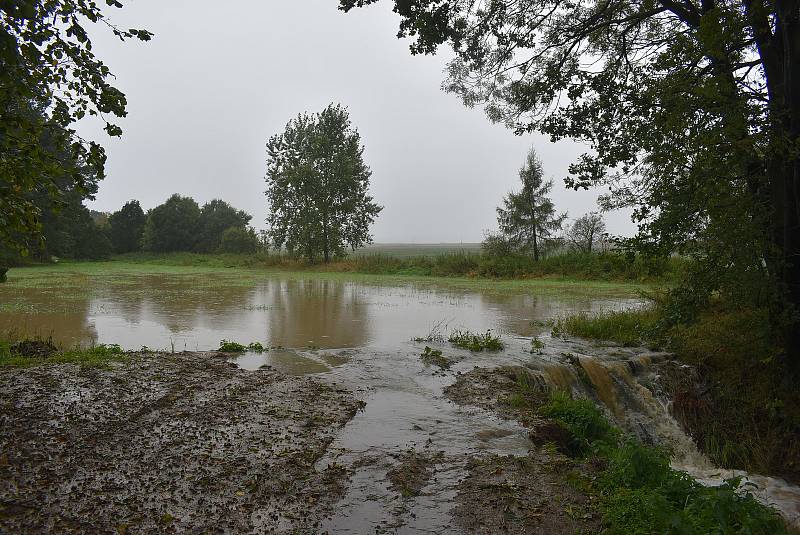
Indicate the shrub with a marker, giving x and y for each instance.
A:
(238, 240)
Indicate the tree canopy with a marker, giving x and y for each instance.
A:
(50, 79)
(126, 227)
(317, 185)
(528, 218)
(172, 226)
(216, 217)
(690, 110)
(587, 231)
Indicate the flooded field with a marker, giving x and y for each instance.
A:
(430, 448)
(195, 309)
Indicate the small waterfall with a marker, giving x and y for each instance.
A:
(624, 384)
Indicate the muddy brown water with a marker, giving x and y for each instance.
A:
(165, 311)
(360, 335)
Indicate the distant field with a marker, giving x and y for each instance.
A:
(410, 250)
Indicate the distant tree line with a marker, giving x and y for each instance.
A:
(70, 230)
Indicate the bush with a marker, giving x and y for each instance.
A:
(238, 240)
(639, 493)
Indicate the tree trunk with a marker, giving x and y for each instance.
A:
(3, 271)
(326, 248)
(780, 55)
(535, 227)
(790, 19)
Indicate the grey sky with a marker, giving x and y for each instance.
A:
(220, 77)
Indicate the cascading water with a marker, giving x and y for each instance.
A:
(618, 378)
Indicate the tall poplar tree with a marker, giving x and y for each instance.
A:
(317, 185)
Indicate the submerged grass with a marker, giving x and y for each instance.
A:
(80, 280)
(639, 493)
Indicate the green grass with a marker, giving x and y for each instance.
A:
(99, 356)
(639, 493)
(476, 342)
(583, 419)
(415, 250)
(446, 263)
(226, 346)
(627, 327)
(78, 278)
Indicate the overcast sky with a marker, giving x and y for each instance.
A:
(219, 78)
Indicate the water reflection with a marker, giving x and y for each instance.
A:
(194, 312)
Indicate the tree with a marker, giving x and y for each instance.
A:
(528, 218)
(50, 79)
(238, 240)
(317, 185)
(690, 109)
(126, 227)
(496, 245)
(215, 218)
(172, 226)
(586, 231)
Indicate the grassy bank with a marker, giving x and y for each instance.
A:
(576, 266)
(639, 493)
(24, 353)
(738, 402)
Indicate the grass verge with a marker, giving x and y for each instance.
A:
(17, 354)
(639, 493)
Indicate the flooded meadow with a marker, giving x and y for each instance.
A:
(340, 426)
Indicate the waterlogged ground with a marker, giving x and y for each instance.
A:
(178, 308)
(341, 428)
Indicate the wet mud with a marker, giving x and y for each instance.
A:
(163, 443)
(524, 495)
(413, 471)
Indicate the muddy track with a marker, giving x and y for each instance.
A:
(166, 443)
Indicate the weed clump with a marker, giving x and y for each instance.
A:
(27, 353)
(583, 419)
(434, 356)
(227, 346)
(476, 342)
